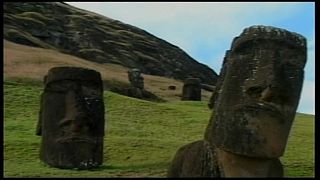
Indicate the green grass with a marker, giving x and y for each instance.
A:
(298, 159)
(141, 137)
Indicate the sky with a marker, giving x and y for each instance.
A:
(205, 30)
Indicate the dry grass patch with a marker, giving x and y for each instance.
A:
(34, 63)
(25, 62)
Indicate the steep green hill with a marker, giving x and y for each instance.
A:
(141, 136)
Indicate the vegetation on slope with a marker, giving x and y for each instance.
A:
(30, 64)
(141, 136)
(96, 38)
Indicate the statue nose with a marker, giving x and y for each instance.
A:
(267, 94)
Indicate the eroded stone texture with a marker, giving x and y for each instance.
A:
(233, 165)
(71, 120)
(191, 90)
(194, 160)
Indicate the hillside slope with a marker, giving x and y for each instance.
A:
(97, 38)
(30, 64)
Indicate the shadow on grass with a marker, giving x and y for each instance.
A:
(137, 167)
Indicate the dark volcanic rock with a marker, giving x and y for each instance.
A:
(98, 38)
(233, 165)
(196, 159)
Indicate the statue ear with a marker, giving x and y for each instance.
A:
(39, 129)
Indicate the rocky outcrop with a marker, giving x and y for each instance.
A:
(98, 38)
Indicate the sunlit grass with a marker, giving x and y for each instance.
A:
(141, 136)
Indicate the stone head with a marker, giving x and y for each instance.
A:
(135, 78)
(191, 89)
(72, 117)
(258, 97)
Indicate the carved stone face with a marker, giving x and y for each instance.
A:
(260, 93)
(72, 116)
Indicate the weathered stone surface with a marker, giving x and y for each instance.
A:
(259, 94)
(194, 160)
(191, 90)
(71, 120)
(232, 165)
(97, 38)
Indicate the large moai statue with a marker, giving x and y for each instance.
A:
(257, 99)
(191, 90)
(71, 120)
(255, 102)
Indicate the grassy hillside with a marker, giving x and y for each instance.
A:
(141, 137)
(93, 37)
(30, 64)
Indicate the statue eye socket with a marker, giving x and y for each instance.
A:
(255, 91)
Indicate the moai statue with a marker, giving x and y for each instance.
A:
(255, 102)
(137, 85)
(191, 90)
(71, 120)
(135, 78)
